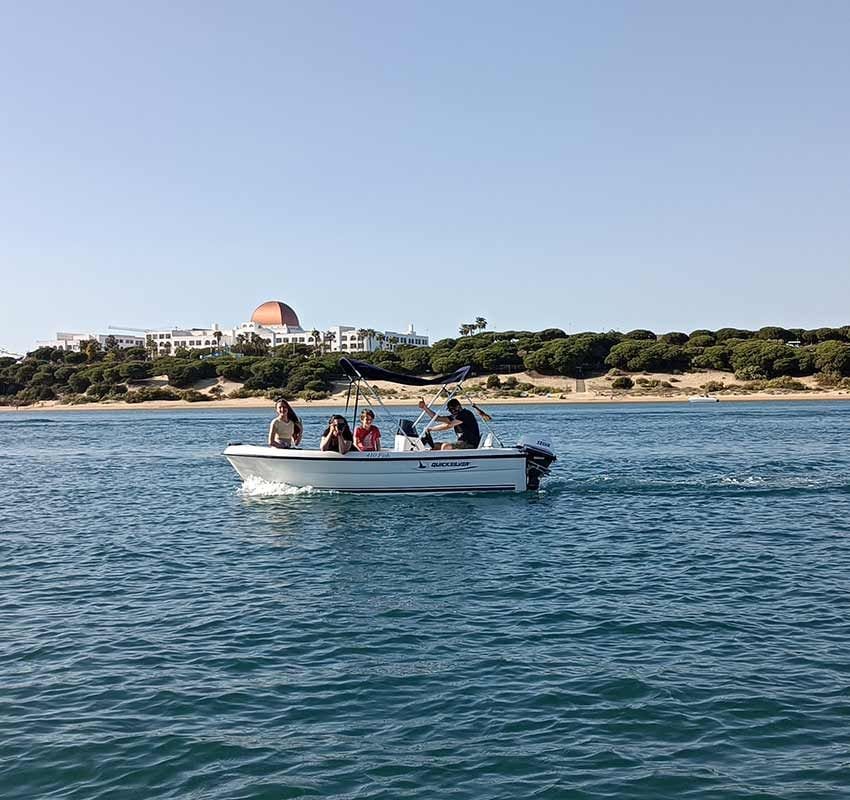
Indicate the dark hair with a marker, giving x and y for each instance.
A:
(342, 427)
(291, 414)
(453, 403)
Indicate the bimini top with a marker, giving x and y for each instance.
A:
(360, 369)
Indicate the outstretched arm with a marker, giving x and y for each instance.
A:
(424, 406)
(446, 424)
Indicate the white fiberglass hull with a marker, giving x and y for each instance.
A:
(387, 471)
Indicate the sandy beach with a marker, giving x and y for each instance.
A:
(562, 391)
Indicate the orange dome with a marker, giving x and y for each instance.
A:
(275, 313)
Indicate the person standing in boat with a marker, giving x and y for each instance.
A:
(337, 436)
(286, 429)
(461, 419)
(367, 436)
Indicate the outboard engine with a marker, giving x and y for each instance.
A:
(538, 458)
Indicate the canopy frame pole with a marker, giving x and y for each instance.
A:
(422, 413)
(451, 394)
(356, 399)
(489, 426)
(377, 397)
(389, 414)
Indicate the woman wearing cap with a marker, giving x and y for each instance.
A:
(337, 436)
(367, 436)
(286, 429)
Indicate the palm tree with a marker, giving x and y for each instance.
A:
(480, 323)
(381, 339)
(466, 329)
(217, 336)
(91, 348)
(393, 342)
(317, 339)
(329, 337)
(362, 335)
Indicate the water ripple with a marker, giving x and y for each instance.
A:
(667, 619)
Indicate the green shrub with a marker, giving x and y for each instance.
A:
(135, 370)
(713, 386)
(147, 393)
(493, 382)
(243, 392)
(623, 382)
(194, 396)
(828, 380)
(786, 382)
(98, 390)
(833, 357)
(185, 373)
(751, 373)
(254, 384)
(308, 395)
(236, 369)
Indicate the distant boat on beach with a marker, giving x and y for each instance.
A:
(703, 398)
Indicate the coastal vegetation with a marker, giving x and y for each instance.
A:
(771, 357)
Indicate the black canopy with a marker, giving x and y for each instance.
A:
(360, 369)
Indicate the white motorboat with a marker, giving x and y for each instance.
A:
(703, 398)
(410, 467)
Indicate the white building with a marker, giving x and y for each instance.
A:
(278, 324)
(410, 338)
(170, 339)
(72, 341)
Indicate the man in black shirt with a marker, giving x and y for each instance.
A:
(461, 419)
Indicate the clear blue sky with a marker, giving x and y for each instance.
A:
(605, 165)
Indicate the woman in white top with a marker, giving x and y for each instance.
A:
(286, 429)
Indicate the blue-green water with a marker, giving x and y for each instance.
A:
(669, 619)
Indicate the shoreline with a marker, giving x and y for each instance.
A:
(337, 401)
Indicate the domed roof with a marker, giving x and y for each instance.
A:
(274, 312)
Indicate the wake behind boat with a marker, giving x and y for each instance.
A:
(410, 466)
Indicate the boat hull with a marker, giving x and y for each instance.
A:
(387, 471)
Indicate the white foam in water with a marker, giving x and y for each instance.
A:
(257, 487)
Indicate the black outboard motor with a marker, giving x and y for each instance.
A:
(538, 458)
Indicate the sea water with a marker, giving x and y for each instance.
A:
(668, 618)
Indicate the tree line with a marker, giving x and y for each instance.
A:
(297, 370)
